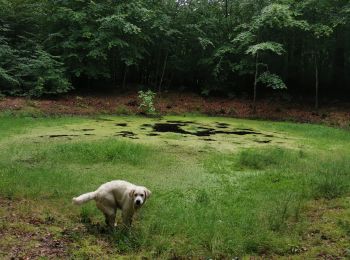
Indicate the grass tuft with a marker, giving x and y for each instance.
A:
(108, 151)
(260, 159)
(331, 179)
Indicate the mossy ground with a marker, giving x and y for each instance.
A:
(282, 191)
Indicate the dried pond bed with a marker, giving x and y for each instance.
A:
(213, 133)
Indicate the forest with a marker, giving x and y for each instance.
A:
(225, 47)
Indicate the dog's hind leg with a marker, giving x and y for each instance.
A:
(109, 213)
(110, 220)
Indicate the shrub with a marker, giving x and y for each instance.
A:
(147, 101)
(122, 110)
(34, 73)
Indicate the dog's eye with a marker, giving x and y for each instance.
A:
(141, 195)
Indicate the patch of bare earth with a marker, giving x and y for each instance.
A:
(327, 233)
(337, 114)
(27, 236)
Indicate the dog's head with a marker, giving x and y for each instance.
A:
(139, 196)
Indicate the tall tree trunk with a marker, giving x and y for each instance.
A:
(124, 78)
(338, 67)
(155, 83)
(255, 81)
(89, 83)
(163, 71)
(316, 82)
(226, 8)
(171, 79)
(114, 68)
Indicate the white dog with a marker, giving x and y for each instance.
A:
(116, 195)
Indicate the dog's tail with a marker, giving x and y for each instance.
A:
(84, 198)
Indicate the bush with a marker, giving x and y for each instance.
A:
(31, 74)
(42, 74)
(147, 101)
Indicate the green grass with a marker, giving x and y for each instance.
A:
(107, 151)
(226, 198)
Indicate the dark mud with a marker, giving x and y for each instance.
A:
(125, 134)
(185, 129)
(263, 141)
(202, 131)
(222, 125)
(57, 136)
(152, 134)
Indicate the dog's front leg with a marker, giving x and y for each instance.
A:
(127, 217)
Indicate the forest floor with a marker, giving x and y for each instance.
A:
(331, 114)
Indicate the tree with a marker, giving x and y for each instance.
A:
(25, 67)
(274, 18)
(325, 19)
(216, 46)
(271, 80)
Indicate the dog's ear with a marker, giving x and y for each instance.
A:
(131, 193)
(147, 193)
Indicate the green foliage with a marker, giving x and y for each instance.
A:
(7, 56)
(321, 30)
(274, 47)
(33, 74)
(271, 80)
(7, 79)
(147, 101)
(279, 16)
(45, 46)
(42, 74)
(25, 67)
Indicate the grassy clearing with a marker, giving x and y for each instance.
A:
(224, 198)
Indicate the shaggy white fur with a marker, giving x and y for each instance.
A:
(115, 195)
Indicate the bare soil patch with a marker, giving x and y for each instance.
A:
(29, 236)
